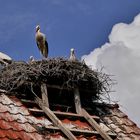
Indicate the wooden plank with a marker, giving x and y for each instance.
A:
(58, 113)
(29, 102)
(95, 125)
(73, 115)
(44, 94)
(78, 131)
(55, 120)
(77, 101)
(36, 112)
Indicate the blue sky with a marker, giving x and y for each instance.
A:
(80, 24)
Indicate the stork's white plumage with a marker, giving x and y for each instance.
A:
(5, 59)
(41, 42)
(5, 56)
(31, 59)
(72, 55)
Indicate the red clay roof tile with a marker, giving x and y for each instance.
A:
(14, 124)
(17, 123)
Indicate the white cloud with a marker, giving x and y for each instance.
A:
(121, 57)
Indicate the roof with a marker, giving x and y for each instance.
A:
(16, 121)
(24, 120)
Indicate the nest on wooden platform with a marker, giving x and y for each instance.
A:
(55, 71)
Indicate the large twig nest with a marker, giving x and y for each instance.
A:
(56, 71)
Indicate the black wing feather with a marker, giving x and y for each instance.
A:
(47, 49)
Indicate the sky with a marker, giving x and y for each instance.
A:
(104, 33)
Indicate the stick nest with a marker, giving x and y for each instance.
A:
(56, 71)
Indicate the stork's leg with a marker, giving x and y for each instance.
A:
(41, 56)
(44, 55)
(44, 58)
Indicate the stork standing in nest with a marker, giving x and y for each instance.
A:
(72, 55)
(41, 42)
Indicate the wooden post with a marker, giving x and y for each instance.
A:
(95, 125)
(44, 95)
(77, 101)
(55, 120)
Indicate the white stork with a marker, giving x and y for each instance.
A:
(41, 42)
(72, 55)
(31, 59)
(5, 59)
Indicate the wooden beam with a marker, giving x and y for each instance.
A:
(95, 125)
(72, 115)
(58, 113)
(44, 94)
(36, 112)
(78, 131)
(55, 120)
(28, 103)
(77, 101)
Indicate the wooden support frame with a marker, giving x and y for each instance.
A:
(95, 125)
(55, 120)
(59, 114)
(77, 101)
(44, 95)
(44, 105)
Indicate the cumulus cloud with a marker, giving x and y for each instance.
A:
(120, 57)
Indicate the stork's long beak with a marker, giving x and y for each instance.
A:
(37, 28)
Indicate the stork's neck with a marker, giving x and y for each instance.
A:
(72, 53)
(38, 31)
